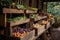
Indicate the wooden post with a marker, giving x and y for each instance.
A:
(5, 15)
(25, 2)
(44, 36)
(31, 22)
(44, 7)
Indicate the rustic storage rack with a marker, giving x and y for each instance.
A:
(36, 32)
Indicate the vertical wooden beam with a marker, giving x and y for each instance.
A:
(33, 3)
(30, 3)
(3, 20)
(45, 7)
(39, 4)
(44, 36)
(31, 22)
(25, 2)
(4, 16)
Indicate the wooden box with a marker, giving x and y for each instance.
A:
(40, 30)
(29, 36)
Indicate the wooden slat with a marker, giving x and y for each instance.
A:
(9, 10)
(40, 18)
(30, 11)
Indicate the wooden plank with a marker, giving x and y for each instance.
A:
(17, 22)
(9, 10)
(30, 11)
(40, 18)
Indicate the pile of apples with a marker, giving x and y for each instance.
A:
(20, 32)
(37, 25)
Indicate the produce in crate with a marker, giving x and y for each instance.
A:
(34, 16)
(16, 18)
(44, 22)
(36, 25)
(20, 6)
(20, 32)
(37, 16)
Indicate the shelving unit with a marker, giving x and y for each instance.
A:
(18, 22)
(33, 34)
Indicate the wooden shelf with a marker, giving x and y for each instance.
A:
(30, 11)
(9, 10)
(17, 22)
(40, 18)
(21, 11)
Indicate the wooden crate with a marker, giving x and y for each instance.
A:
(17, 22)
(40, 30)
(29, 36)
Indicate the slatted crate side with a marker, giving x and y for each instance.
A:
(28, 36)
(39, 30)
